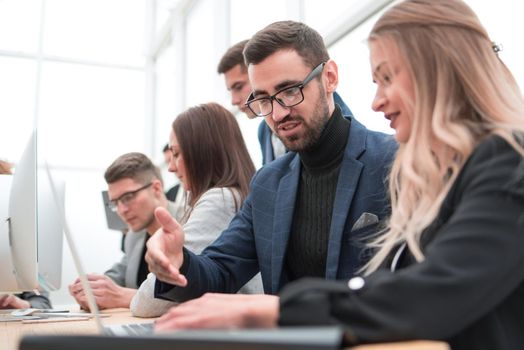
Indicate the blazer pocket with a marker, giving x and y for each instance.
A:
(365, 220)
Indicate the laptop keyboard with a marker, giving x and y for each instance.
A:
(131, 329)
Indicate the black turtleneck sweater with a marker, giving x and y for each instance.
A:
(308, 242)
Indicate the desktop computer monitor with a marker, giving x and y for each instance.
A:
(114, 222)
(30, 227)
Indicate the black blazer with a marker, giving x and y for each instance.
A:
(468, 291)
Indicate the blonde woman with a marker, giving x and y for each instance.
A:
(450, 265)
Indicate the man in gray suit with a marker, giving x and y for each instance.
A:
(135, 189)
(308, 212)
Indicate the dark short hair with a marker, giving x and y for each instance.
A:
(134, 165)
(232, 58)
(213, 150)
(297, 36)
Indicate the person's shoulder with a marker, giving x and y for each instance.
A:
(276, 169)
(495, 160)
(280, 164)
(491, 149)
(219, 193)
(371, 136)
(493, 153)
(375, 145)
(493, 145)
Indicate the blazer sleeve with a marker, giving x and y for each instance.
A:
(209, 217)
(223, 267)
(37, 301)
(472, 264)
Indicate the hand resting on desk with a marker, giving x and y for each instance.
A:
(10, 301)
(107, 293)
(214, 310)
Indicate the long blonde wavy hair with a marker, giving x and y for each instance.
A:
(463, 93)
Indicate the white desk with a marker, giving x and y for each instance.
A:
(12, 332)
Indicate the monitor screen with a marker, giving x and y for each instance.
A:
(49, 231)
(8, 281)
(30, 228)
(114, 222)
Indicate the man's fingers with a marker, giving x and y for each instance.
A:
(156, 259)
(160, 265)
(165, 219)
(94, 277)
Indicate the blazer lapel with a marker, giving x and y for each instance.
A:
(268, 149)
(348, 178)
(284, 209)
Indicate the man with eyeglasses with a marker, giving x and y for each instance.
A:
(237, 83)
(135, 189)
(308, 213)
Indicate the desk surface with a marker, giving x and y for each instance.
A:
(12, 332)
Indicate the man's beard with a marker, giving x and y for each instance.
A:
(312, 130)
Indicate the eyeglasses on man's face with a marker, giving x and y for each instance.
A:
(286, 97)
(127, 198)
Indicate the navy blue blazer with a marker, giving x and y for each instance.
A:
(264, 131)
(257, 237)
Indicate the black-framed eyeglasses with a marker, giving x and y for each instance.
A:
(287, 97)
(126, 198)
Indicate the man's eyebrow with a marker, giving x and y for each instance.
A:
(237, 84)
(279, 86)
(286, 84)
(259, 92)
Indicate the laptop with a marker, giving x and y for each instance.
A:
(141, 335)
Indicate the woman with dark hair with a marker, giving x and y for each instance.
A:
(210, 158)
(209, 151)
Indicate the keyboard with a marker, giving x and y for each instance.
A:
(130, 329)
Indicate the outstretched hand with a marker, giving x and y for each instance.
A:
(164, 250)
